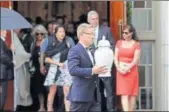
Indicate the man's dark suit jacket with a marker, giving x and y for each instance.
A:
(80, 68)
(103, 30)
(26, 42)
(6, 63)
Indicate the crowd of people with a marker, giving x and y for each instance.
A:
(56, 47)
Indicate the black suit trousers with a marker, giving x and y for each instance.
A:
(4, 88)
(108, 86)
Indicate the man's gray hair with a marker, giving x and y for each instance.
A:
(39, 28)
(90, 13)
(81, 28)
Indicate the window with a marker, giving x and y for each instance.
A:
(141, 15)
(145, 97)
(142, 4)
(139, 4)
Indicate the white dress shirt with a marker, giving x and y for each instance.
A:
(96, 35)
(3, 38)
(89, 53)
(24, 36)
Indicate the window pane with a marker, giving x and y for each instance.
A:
(143, 99)
(149, 4)
(149, 76)
(146, 98)
(141, 19)
(149, 99)
(149, 19)
(146, 52)
(142, 76)
(139, 4)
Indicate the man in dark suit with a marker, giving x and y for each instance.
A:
(6, 65)
(106, 82)
(84, 93)
(26, 39)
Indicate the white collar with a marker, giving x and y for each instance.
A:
(3, 38)
(97, 27)
(24, 36)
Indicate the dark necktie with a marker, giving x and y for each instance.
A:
(92, 53)
(87, 48)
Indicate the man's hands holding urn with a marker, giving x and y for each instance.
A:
(99, 70)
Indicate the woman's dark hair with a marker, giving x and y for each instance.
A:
(131, 28)
(38, 20)
(62, 18)
(59, 26)
(47, 24)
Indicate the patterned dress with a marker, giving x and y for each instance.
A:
(61, 77)
(65, 75)
(52, 72)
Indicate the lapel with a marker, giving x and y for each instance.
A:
(92, 52)
(5, 48)
(4, 45)
(24, 38)
(83, 50)
(100, 34)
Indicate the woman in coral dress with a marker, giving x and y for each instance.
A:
(127, 55)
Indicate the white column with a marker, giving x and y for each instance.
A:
(162, 56)
(165, 52)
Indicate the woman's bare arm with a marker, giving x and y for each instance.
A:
(50, 61)
(136, 59)
(116, 58)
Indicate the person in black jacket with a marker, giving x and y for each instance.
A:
(6, 65)
(26, 39)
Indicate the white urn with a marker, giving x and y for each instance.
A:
(104, 56)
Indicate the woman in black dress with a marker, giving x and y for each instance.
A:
(39, 33)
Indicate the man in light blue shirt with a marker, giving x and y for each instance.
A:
(96, 35)
(44, 45)
(42, 51)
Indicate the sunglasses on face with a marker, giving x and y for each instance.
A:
(126, 33)
(39, 34)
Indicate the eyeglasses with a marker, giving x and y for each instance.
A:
(126, 33)
(39, 34)
(88, 33)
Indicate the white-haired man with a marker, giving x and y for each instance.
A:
(100, 31)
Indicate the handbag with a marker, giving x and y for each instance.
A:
(123, 65)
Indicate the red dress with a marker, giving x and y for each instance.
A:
(127, 84)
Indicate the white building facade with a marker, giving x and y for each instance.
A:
(162, 56)
(151, 20)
